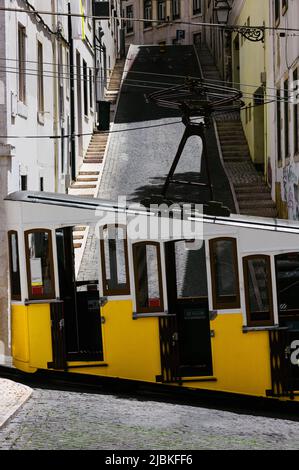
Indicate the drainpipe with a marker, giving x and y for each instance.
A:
(72, 97)
(55, 98)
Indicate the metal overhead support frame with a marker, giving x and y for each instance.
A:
(196, 99)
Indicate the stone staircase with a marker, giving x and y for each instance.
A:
(114, 83)
(253, 195)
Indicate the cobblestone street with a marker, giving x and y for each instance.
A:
(58, 420)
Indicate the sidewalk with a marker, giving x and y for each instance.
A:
(12, 396)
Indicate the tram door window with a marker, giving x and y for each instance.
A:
(225, 276)
(287, 279)
(114, 259)
(148, 278)
(188, 300)
(39, 260)
(15, 282)
(287, 282)
(82, 317)
(258, 290)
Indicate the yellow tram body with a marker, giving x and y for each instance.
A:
(243, 357)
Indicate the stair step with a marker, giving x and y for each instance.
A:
(249, 196)
(260, 212)
(79, 228)
(78, 237)
(250, 188)
(257, 203)
(86, 180)
(77, 245)
(83, 186)
(89, 172)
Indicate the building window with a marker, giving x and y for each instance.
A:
(225, 273)
(196, 7)
(148, 13)
(41, 184)
(22, 63)
(40, 77)
(114, 260)
(14, 266)
(90, 88)
(85, 88)
(24, 185)
(277, 10)
(39, 261)
(129, 20)
(258, 290)
(161, 10)
(286, 119)
(148, 277)
(296, 112)
(278, 125)
(287, 279)
(176, 9)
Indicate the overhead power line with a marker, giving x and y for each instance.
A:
(145, 20)
(129, 81)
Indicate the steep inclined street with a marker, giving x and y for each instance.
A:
(66, 420)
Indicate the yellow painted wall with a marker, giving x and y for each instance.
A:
(253, 61)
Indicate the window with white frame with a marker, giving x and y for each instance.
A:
(129, 20)
(197, 7)
(175, 9)
(161, 10)
(148, 13)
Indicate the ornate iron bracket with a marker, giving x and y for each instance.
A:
(250, 33)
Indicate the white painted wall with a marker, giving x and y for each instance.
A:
(39, 157)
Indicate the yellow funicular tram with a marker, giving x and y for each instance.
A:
(222, 317)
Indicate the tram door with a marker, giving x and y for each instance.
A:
(81, 304)
(188, 299)
(287, 279)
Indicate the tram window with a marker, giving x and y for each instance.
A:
(114, 259)
(191, 271)
(287, 278)
(225, 273)
(258, 290)
(39, 259)
(148, 279)
(15, 282)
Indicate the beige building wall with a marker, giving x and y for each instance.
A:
(139, 33)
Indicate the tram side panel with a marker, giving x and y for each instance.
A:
(31, 336)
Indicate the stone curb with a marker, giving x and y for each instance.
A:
(12, 396)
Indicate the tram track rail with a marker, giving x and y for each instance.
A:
(141, 391)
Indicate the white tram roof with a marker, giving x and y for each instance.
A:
(44, 209)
